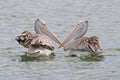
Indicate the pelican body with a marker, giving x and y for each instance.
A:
(90, 44)
(38, 44)
(76, 42)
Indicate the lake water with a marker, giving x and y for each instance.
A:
(61, 16)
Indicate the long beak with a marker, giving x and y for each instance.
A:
(77, 32)
(45, 30)
(41, 28)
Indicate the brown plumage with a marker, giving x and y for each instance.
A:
(28, 40)
(38, 43)
(90, 44)
(76, 41)
(24, 39)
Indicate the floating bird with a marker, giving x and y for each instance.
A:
(38, 44)
(76, 42)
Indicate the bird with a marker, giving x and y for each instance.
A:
(38, 44)
(77, 42)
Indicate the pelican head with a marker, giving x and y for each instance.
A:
(42, 28)
(78, 32)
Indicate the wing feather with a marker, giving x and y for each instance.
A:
(80, 44)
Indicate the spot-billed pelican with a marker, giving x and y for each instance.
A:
(38, 44)
(76, 42)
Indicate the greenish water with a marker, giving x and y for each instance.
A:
(61, 16)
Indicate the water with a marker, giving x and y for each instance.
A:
(61, 16)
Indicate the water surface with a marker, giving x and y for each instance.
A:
(61, 16)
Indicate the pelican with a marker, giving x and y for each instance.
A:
(76, 42)
(38, 44)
